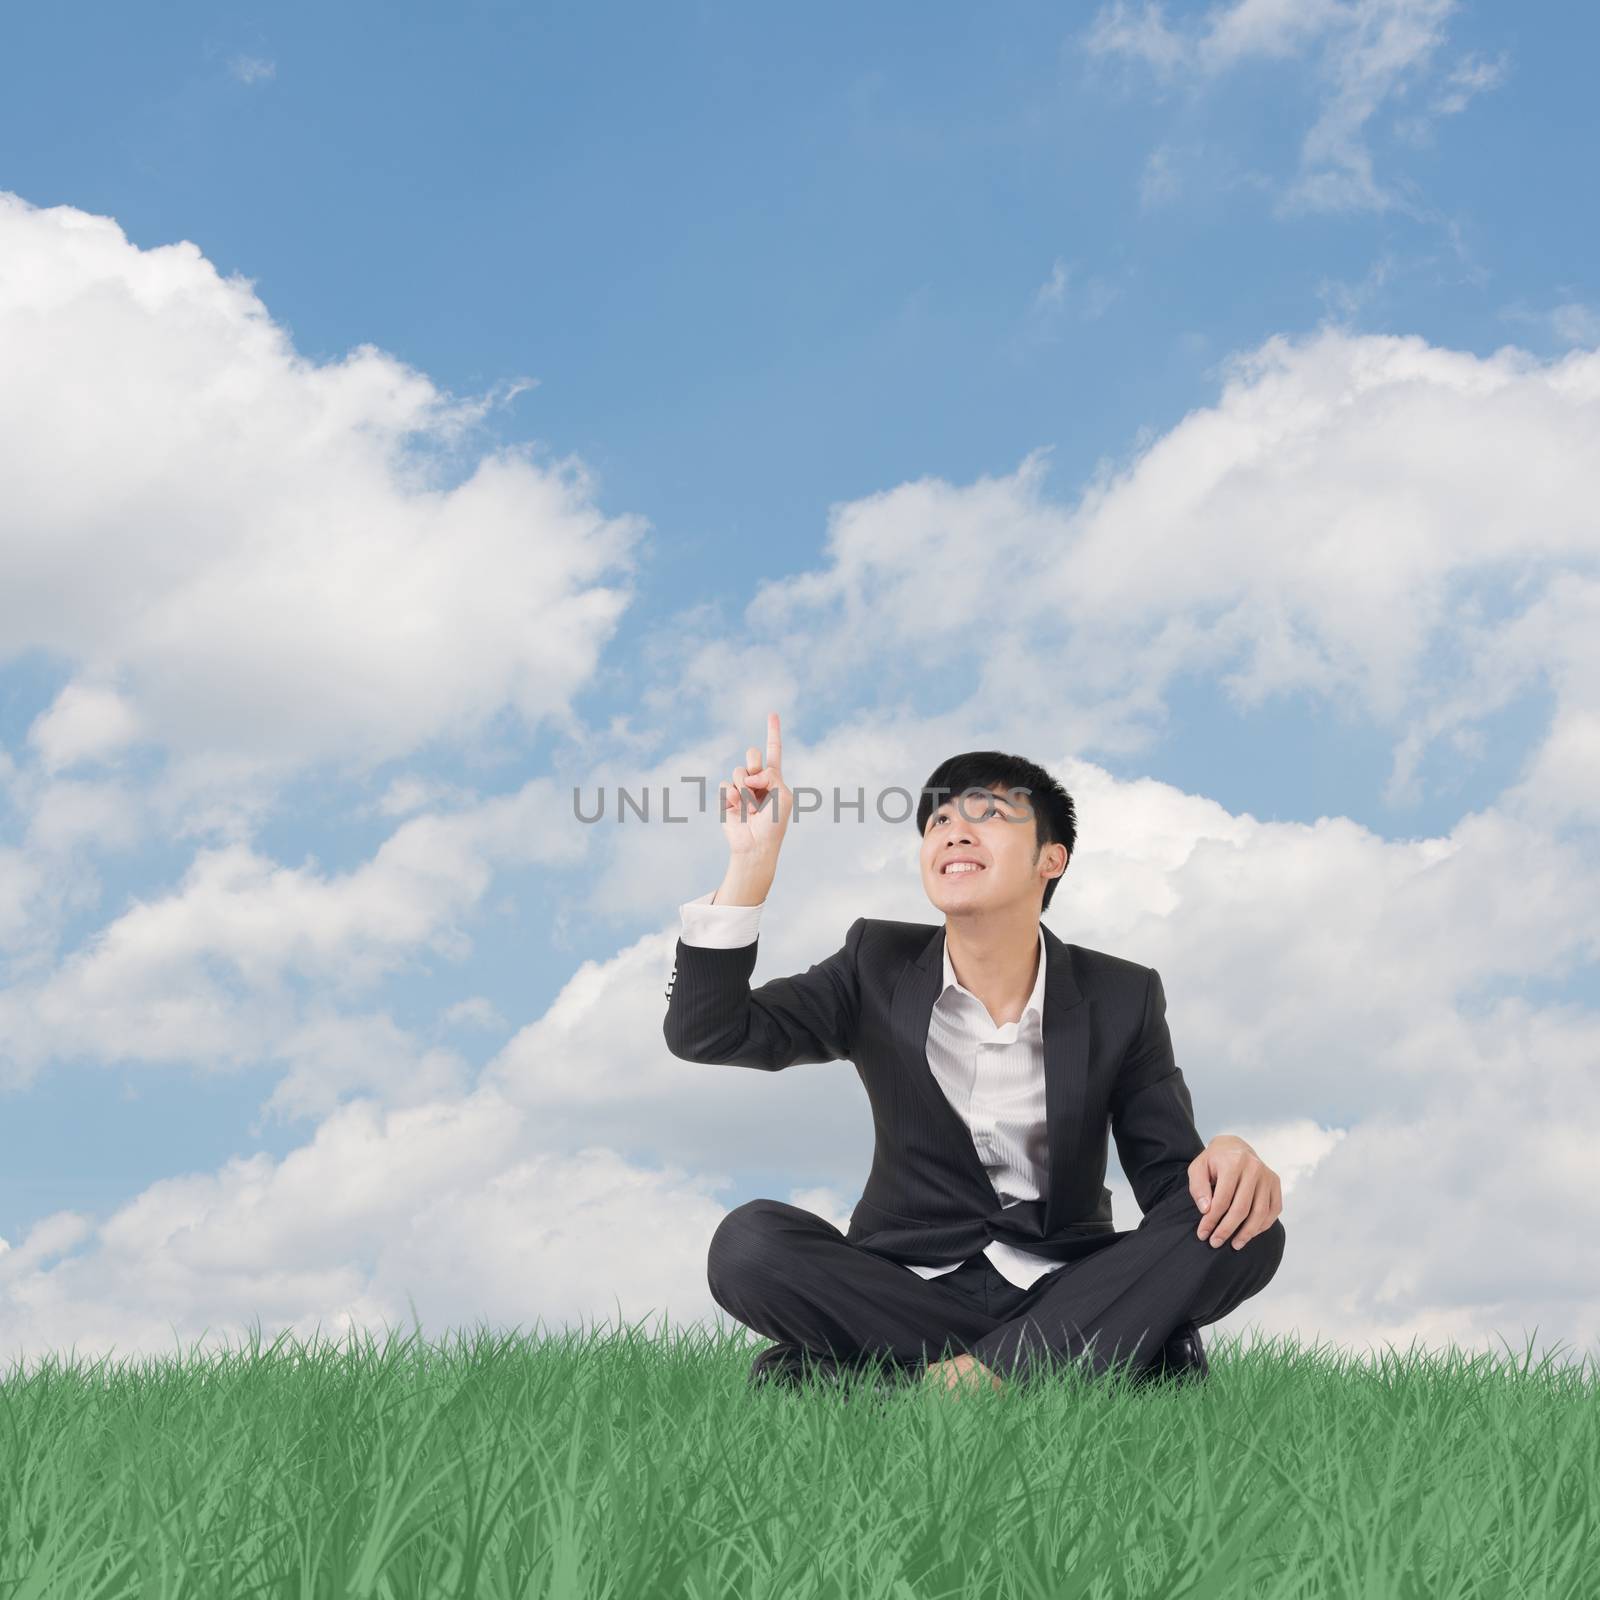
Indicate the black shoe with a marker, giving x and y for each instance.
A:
(1183, 1356)
(788, 1365)
(791, 1366)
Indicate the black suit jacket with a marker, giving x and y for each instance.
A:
(1107, 1058)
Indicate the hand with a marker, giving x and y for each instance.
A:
(767, 802)
(1248, 1194)
(962, 1371)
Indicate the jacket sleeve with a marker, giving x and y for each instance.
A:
(714, 1016)
(1152, 1117)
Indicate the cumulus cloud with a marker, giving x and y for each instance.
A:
(207, 974)
(255, 562)
(1331, 995)
(1397, 535)
(437, 1211)
(1355, 520)
(249, 566)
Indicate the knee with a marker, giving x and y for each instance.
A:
(742, 1237)
(1272, 1239)
(1264, 1252)
(1260, 1254)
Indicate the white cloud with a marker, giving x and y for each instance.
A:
(1053, 291)
(1320, 983)
(1344, 523)
(1401, 534)
(1366, 54)
(255, 563)
(1470, 76)
(1570, 322)
(1141, 32)
(253, 69)
(1059, 296)
(1575, 323)
(86, 722)
(1159, 181)
(1344, 301)
(251, 566)
(207, 973)
(441, 1207)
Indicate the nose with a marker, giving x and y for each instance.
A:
(963, 827)
(959, 832)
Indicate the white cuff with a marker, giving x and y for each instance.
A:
(719, 927)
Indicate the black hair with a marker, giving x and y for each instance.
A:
(1054, 819)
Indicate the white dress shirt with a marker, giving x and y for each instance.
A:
(992, 1076)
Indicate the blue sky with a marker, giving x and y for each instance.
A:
(759, 262)
(748, 267)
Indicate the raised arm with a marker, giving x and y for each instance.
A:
(713, 1015)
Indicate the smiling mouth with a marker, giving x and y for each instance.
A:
(960, 869)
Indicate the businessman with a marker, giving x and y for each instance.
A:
(995, 1057)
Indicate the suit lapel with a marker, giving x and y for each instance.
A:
(911, 1009)
(1066, 1058)
(1066, 1070)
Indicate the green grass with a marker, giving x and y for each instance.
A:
(630, 1465)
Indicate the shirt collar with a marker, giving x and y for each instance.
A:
(1035, 1002)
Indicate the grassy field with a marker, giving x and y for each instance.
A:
(622, 1465)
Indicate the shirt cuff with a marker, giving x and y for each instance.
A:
(719, 927)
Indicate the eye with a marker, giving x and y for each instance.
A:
(993, 810)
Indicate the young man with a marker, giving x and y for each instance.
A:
(996, 1057)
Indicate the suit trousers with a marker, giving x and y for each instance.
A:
(792, 1276)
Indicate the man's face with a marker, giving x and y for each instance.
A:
(995, 829)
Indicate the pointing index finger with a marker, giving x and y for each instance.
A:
(774, 741)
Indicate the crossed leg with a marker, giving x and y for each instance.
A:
(791, 1275)
(1118, 1305)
